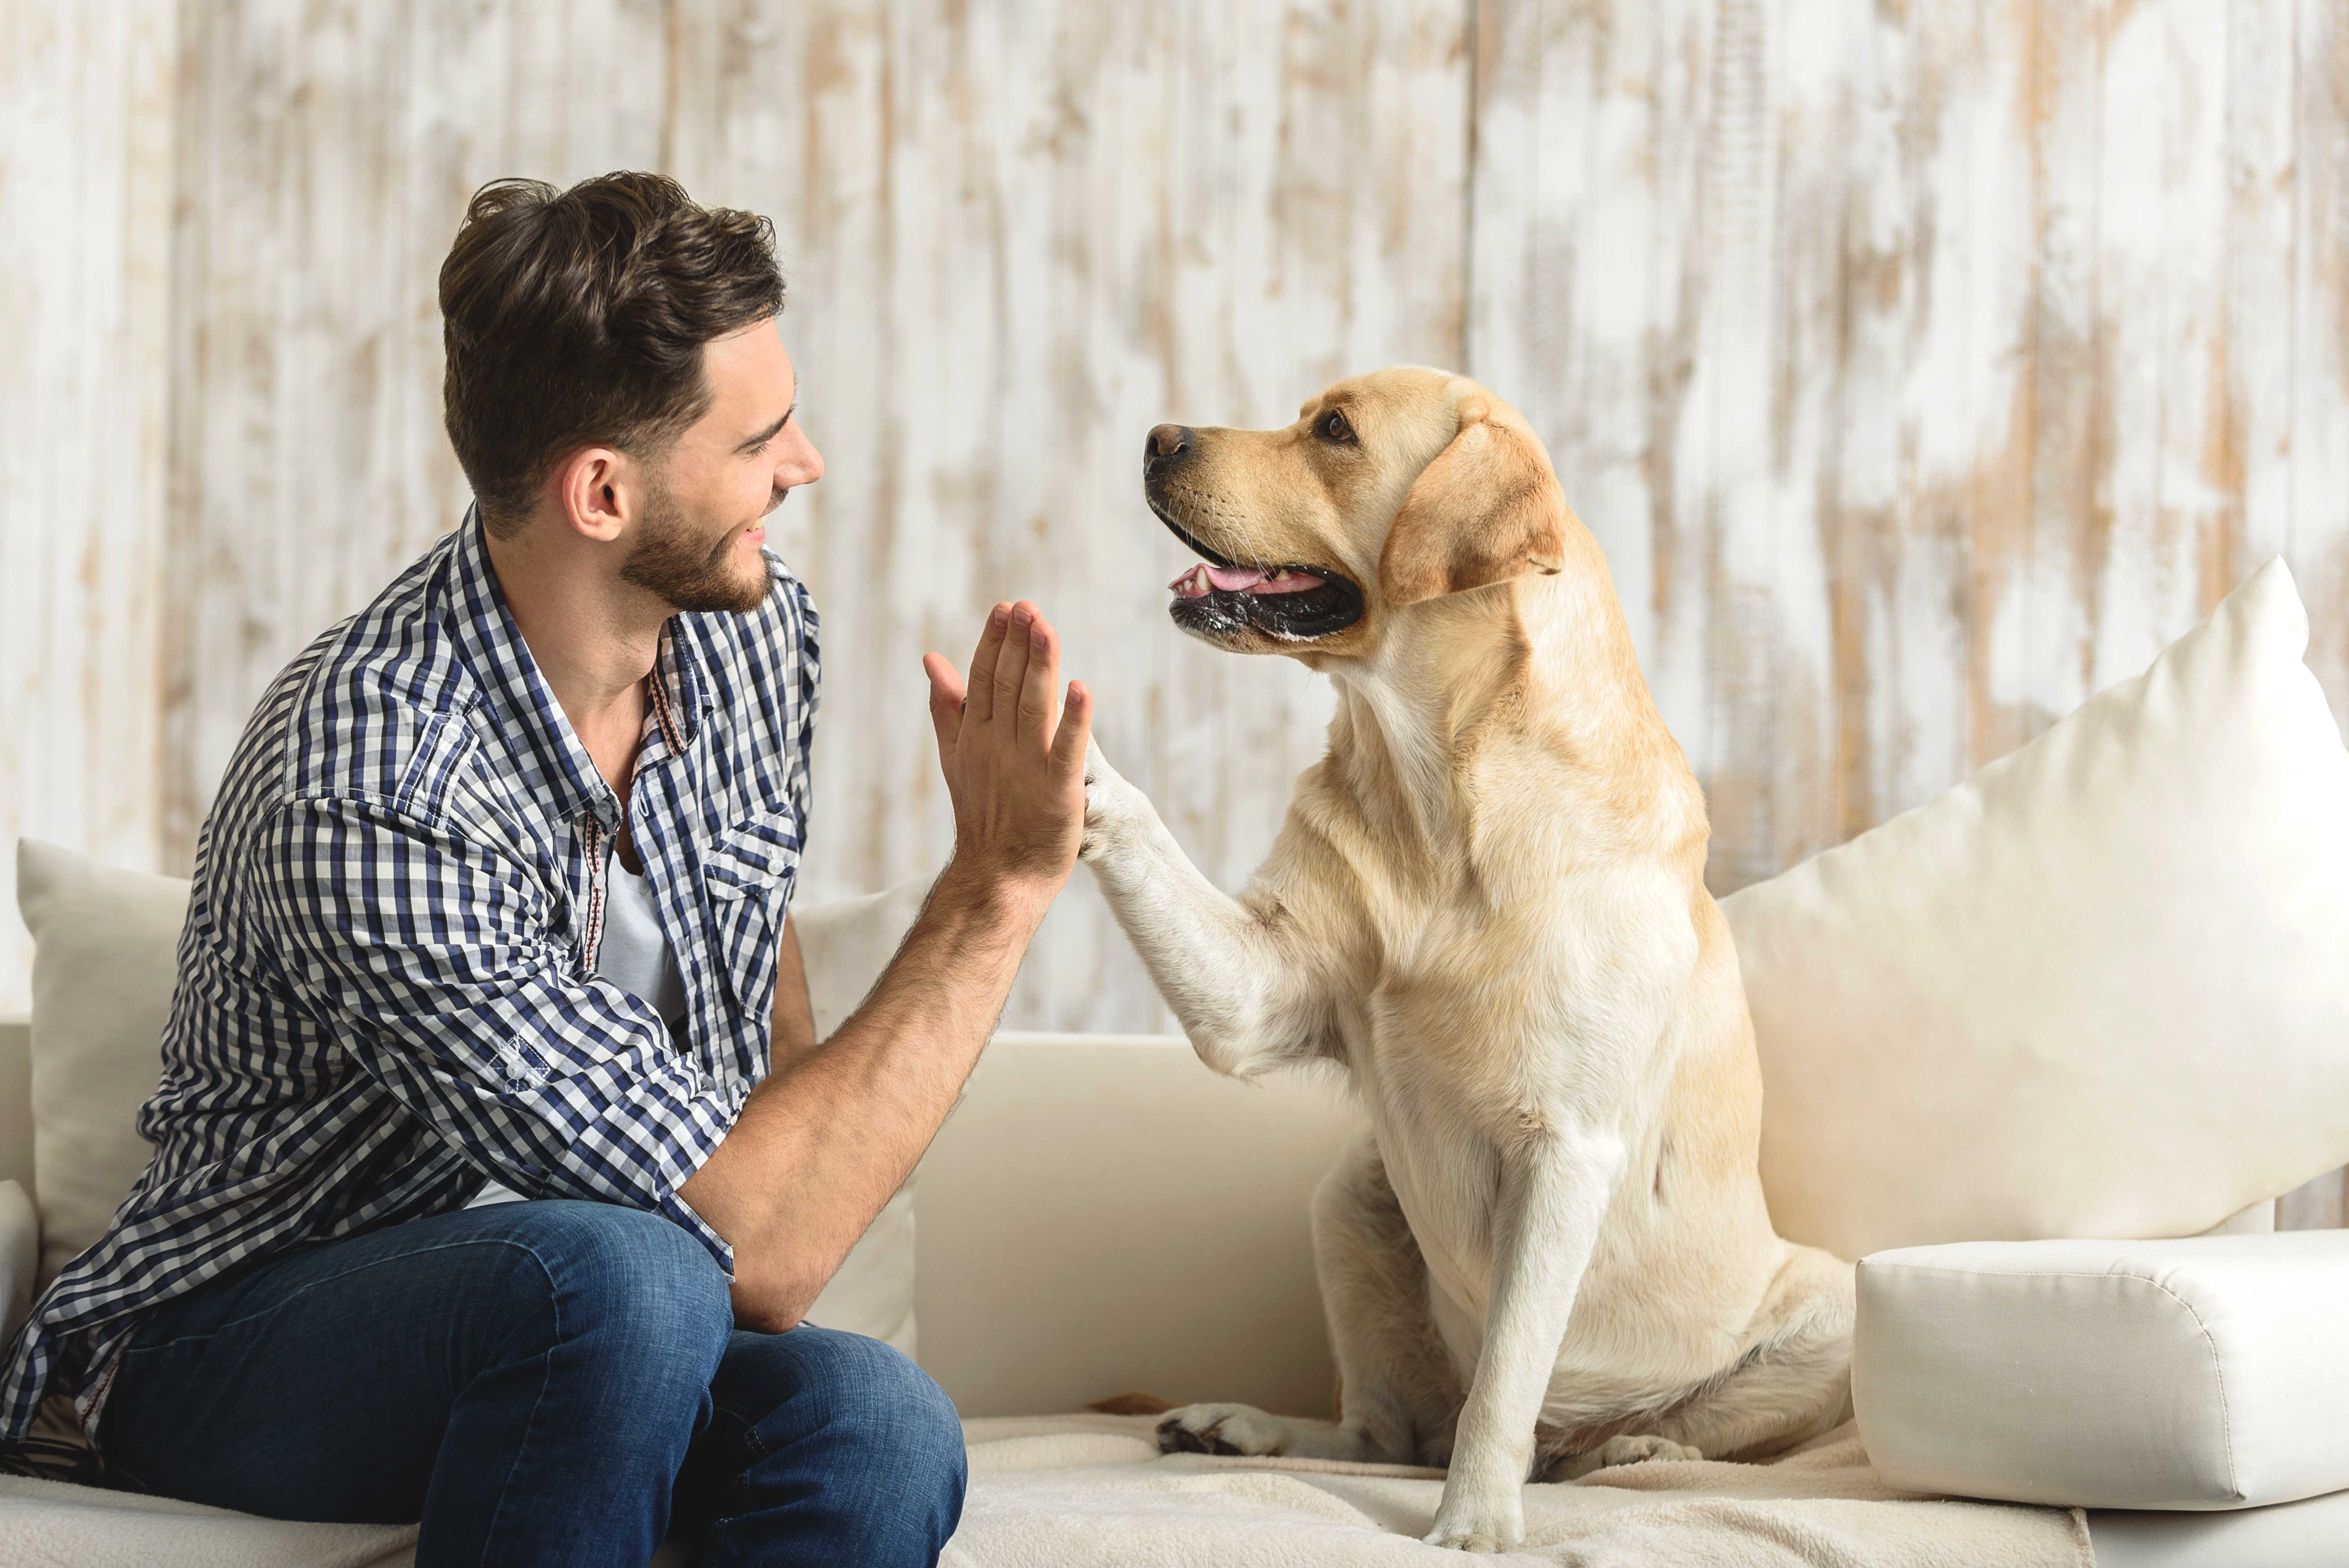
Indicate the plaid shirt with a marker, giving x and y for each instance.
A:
(387, 982)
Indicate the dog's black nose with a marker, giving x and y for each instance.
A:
(1165, 441)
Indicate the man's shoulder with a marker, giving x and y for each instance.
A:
(377, 707)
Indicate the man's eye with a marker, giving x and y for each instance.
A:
(1333, 427)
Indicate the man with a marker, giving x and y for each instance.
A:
(492, 907)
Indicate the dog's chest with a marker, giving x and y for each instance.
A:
(1443, 1167)
(1472, 1030)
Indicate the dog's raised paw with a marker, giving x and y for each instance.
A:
(1231, 1429)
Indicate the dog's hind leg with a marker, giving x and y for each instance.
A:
(1400, 1394)
(1792, 1383)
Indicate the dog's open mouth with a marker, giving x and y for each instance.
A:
(1291, 603)
(1220, 598)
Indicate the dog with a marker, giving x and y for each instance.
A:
(1551, 1251)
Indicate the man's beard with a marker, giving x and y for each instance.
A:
(669, 559)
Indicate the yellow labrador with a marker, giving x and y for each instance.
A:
(1550, 1252)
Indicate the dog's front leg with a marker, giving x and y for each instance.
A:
(1233, 975)
(1555, 1189)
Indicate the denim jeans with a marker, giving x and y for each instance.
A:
(550, 1382)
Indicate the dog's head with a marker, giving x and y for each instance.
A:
(1391, 490)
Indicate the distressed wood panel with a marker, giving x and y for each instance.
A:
(86, 101)
(1922, 368)
(1016, 237)
(1020, 237)
(325, 154)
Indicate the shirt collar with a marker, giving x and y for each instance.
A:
(549, 751)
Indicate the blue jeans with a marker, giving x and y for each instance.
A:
(548, 1382)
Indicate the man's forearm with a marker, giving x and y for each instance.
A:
(823, 1142)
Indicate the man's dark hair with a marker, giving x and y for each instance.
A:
(578, 316)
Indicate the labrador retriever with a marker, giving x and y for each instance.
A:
(1549, 1252)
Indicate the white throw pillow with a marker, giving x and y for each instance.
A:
(103, 941)
(2202, 1374)
(2101, 988)
(103, 969)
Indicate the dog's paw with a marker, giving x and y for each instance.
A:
(1468, 1540)
(1233, 1429)
(1628, 1451)
(1483, 1510)
(1109, 802)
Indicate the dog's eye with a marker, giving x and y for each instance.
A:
(1333, 427)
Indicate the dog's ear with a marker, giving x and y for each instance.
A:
(1486, 510)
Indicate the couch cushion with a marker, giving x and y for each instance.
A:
(20, 1254)
(1103, 1214)
(103, 941)
(2200, 1374)
(2101, 988)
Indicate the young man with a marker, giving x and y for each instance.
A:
(492, 907)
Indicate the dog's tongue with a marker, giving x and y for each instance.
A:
(1203, 579)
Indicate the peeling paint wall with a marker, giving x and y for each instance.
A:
(86, 99)
(1923, 367)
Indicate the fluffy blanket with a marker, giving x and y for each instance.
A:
(52, 1524)
(1093, 1491)
(1087, 1492)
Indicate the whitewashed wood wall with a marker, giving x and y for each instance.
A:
(1922, 367)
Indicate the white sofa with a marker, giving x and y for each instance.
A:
(1100, 1216)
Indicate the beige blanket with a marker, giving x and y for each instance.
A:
(1093, 1491)
(49, 1525)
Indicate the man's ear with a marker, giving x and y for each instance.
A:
(1486, 510)
(587, 488)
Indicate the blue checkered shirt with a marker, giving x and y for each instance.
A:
(387, 983)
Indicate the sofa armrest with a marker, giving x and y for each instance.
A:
(20, 1254)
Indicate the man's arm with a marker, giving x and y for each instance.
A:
(792, 1035)
(821, 1143)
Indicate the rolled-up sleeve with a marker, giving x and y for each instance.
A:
(434, 957)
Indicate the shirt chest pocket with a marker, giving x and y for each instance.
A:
(748, 874)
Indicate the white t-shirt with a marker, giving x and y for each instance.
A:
(635, 956)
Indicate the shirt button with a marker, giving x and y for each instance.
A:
(776, 865)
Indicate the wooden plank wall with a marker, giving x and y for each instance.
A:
(1922, 367)
(85, 113)
(1018, 237)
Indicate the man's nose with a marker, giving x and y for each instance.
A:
(798, 463)
(1165, 442)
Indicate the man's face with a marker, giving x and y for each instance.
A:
(705, 503)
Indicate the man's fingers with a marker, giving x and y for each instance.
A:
(1011, 663)
(983, 660)
(946, 702)
(1040, 689)
(1069, 746)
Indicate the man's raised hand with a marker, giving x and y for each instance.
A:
(1012, 753)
